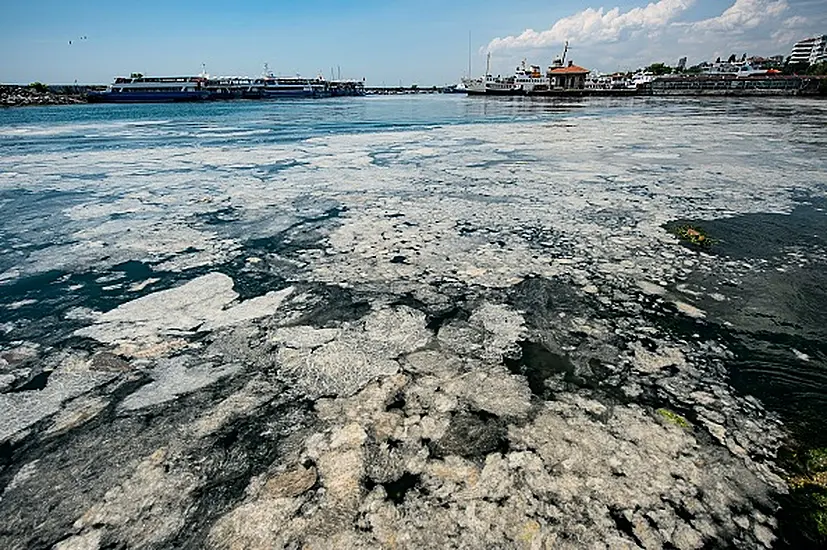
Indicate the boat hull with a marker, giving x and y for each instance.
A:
(147, 97)
(279, 94)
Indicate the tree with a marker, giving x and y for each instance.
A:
(818, 69)
(39, 87)
(718, 60)
(796, 68)
(136, 75)
(731, 59)
(659, 69)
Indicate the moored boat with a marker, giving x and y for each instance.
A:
(141, 89)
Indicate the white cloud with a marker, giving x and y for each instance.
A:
(662, 32)
(596, 25)
(791, 30)
(743, 15)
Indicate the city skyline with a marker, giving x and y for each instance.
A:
(388, 43)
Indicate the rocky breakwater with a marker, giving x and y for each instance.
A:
(18, 96)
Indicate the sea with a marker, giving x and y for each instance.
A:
(565, 210)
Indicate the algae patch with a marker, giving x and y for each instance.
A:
(693, 234)
(673, 418)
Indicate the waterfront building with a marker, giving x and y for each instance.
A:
(570, 77)
(810, 50)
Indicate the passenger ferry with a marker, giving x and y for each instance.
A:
(489, 84)
(164, 89)
(272, 87)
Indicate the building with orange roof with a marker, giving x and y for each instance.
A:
(570, 77)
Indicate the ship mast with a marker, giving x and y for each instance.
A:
(488, 64)
(469, 54)
(565, 51)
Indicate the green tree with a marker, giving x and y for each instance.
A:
(796, 68)
(39, 87)
(818, 69)
(659, 69)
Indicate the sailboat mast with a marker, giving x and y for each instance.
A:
(469, 54)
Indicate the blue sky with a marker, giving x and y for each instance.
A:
(423, 41)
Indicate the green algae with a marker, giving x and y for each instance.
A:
(804, 510)
(693, 234)
(673, 418)
(816, 460)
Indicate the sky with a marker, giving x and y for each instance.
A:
(424, 42)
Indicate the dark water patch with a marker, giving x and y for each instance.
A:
(303, 235)
(765, 235)
(767, 366)
(334, 305)
(774, 321)
(438, 319)
(472, 435)
(36, 382)
(276, 168)
(222, 215)
(537, 363)
(397, 490)
(46, 297)
(545, 299)
(398, 403)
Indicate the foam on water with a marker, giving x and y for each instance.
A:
(451, 284)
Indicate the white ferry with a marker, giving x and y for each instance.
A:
(140, 89)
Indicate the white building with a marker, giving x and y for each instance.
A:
(811, 50)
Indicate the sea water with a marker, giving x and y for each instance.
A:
(562, 211)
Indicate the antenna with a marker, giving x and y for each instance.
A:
(266, 70)
(565, 51)
(339, 68)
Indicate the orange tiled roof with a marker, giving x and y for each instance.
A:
(573, 69)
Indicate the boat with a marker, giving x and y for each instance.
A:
(162, 89)
(640, 80)
(346, 88)
(528, 80)
(489, 84)
(270, 86)
(274, 87)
